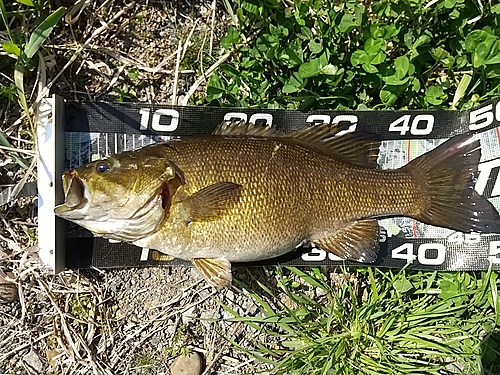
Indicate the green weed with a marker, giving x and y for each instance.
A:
(384, 323)
(182, 338)
(359, 55)
(146, 364)
(22, 46)
(368, 55)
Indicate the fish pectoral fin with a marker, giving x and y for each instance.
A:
(216, 271)
(358, 241)
(212, 201)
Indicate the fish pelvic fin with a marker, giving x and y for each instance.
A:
(217, 272)
(358, 241)
(446, 176)
(212, 201)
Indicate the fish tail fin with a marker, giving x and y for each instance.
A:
(447, 176)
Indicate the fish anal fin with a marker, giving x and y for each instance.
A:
(216, 271)
(358, 241)
(212, 201)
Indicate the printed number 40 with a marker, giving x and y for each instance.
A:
(406, 252)
(403, 125)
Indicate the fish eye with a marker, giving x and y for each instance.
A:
(102, 167)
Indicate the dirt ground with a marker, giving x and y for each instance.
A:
(133, 321)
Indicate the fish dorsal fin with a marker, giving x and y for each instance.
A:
(248, 129)
(358, 148)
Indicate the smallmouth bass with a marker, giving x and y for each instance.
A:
(249, 192)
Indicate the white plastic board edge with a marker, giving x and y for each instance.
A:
(50, 138)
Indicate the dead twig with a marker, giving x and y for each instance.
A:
(203, 77)
(176, 76)
(224, 347)
(98, 31)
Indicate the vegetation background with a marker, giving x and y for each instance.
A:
(402, 54)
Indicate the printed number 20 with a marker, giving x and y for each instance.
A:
(403, 126)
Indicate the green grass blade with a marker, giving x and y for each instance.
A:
(309, 279)
(26, 2)
(18, 159)
(461, 89)
(42, 32)
(5, 19)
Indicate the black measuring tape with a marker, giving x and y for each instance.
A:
(95, 130)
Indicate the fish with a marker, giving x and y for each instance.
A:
(251, 192)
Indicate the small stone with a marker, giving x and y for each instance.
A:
(195, 275)
(230, 295)
(33, 362)
(189, 315)
(170, 329)
(187, 365)
(51, 356)
(146, 273)
(155, 340)
(8, 289)
(113, 286)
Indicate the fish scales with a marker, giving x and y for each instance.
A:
(288, 195)
(249, 192)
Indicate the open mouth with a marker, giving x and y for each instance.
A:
(74, 193)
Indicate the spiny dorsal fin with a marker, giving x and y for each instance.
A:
(248, 129)
(358, 148)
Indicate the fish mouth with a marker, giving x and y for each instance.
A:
(74, 193)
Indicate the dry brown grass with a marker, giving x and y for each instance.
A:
(121, 321)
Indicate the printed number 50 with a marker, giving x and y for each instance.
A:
(483, 117)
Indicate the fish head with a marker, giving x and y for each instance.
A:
(124, 197)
